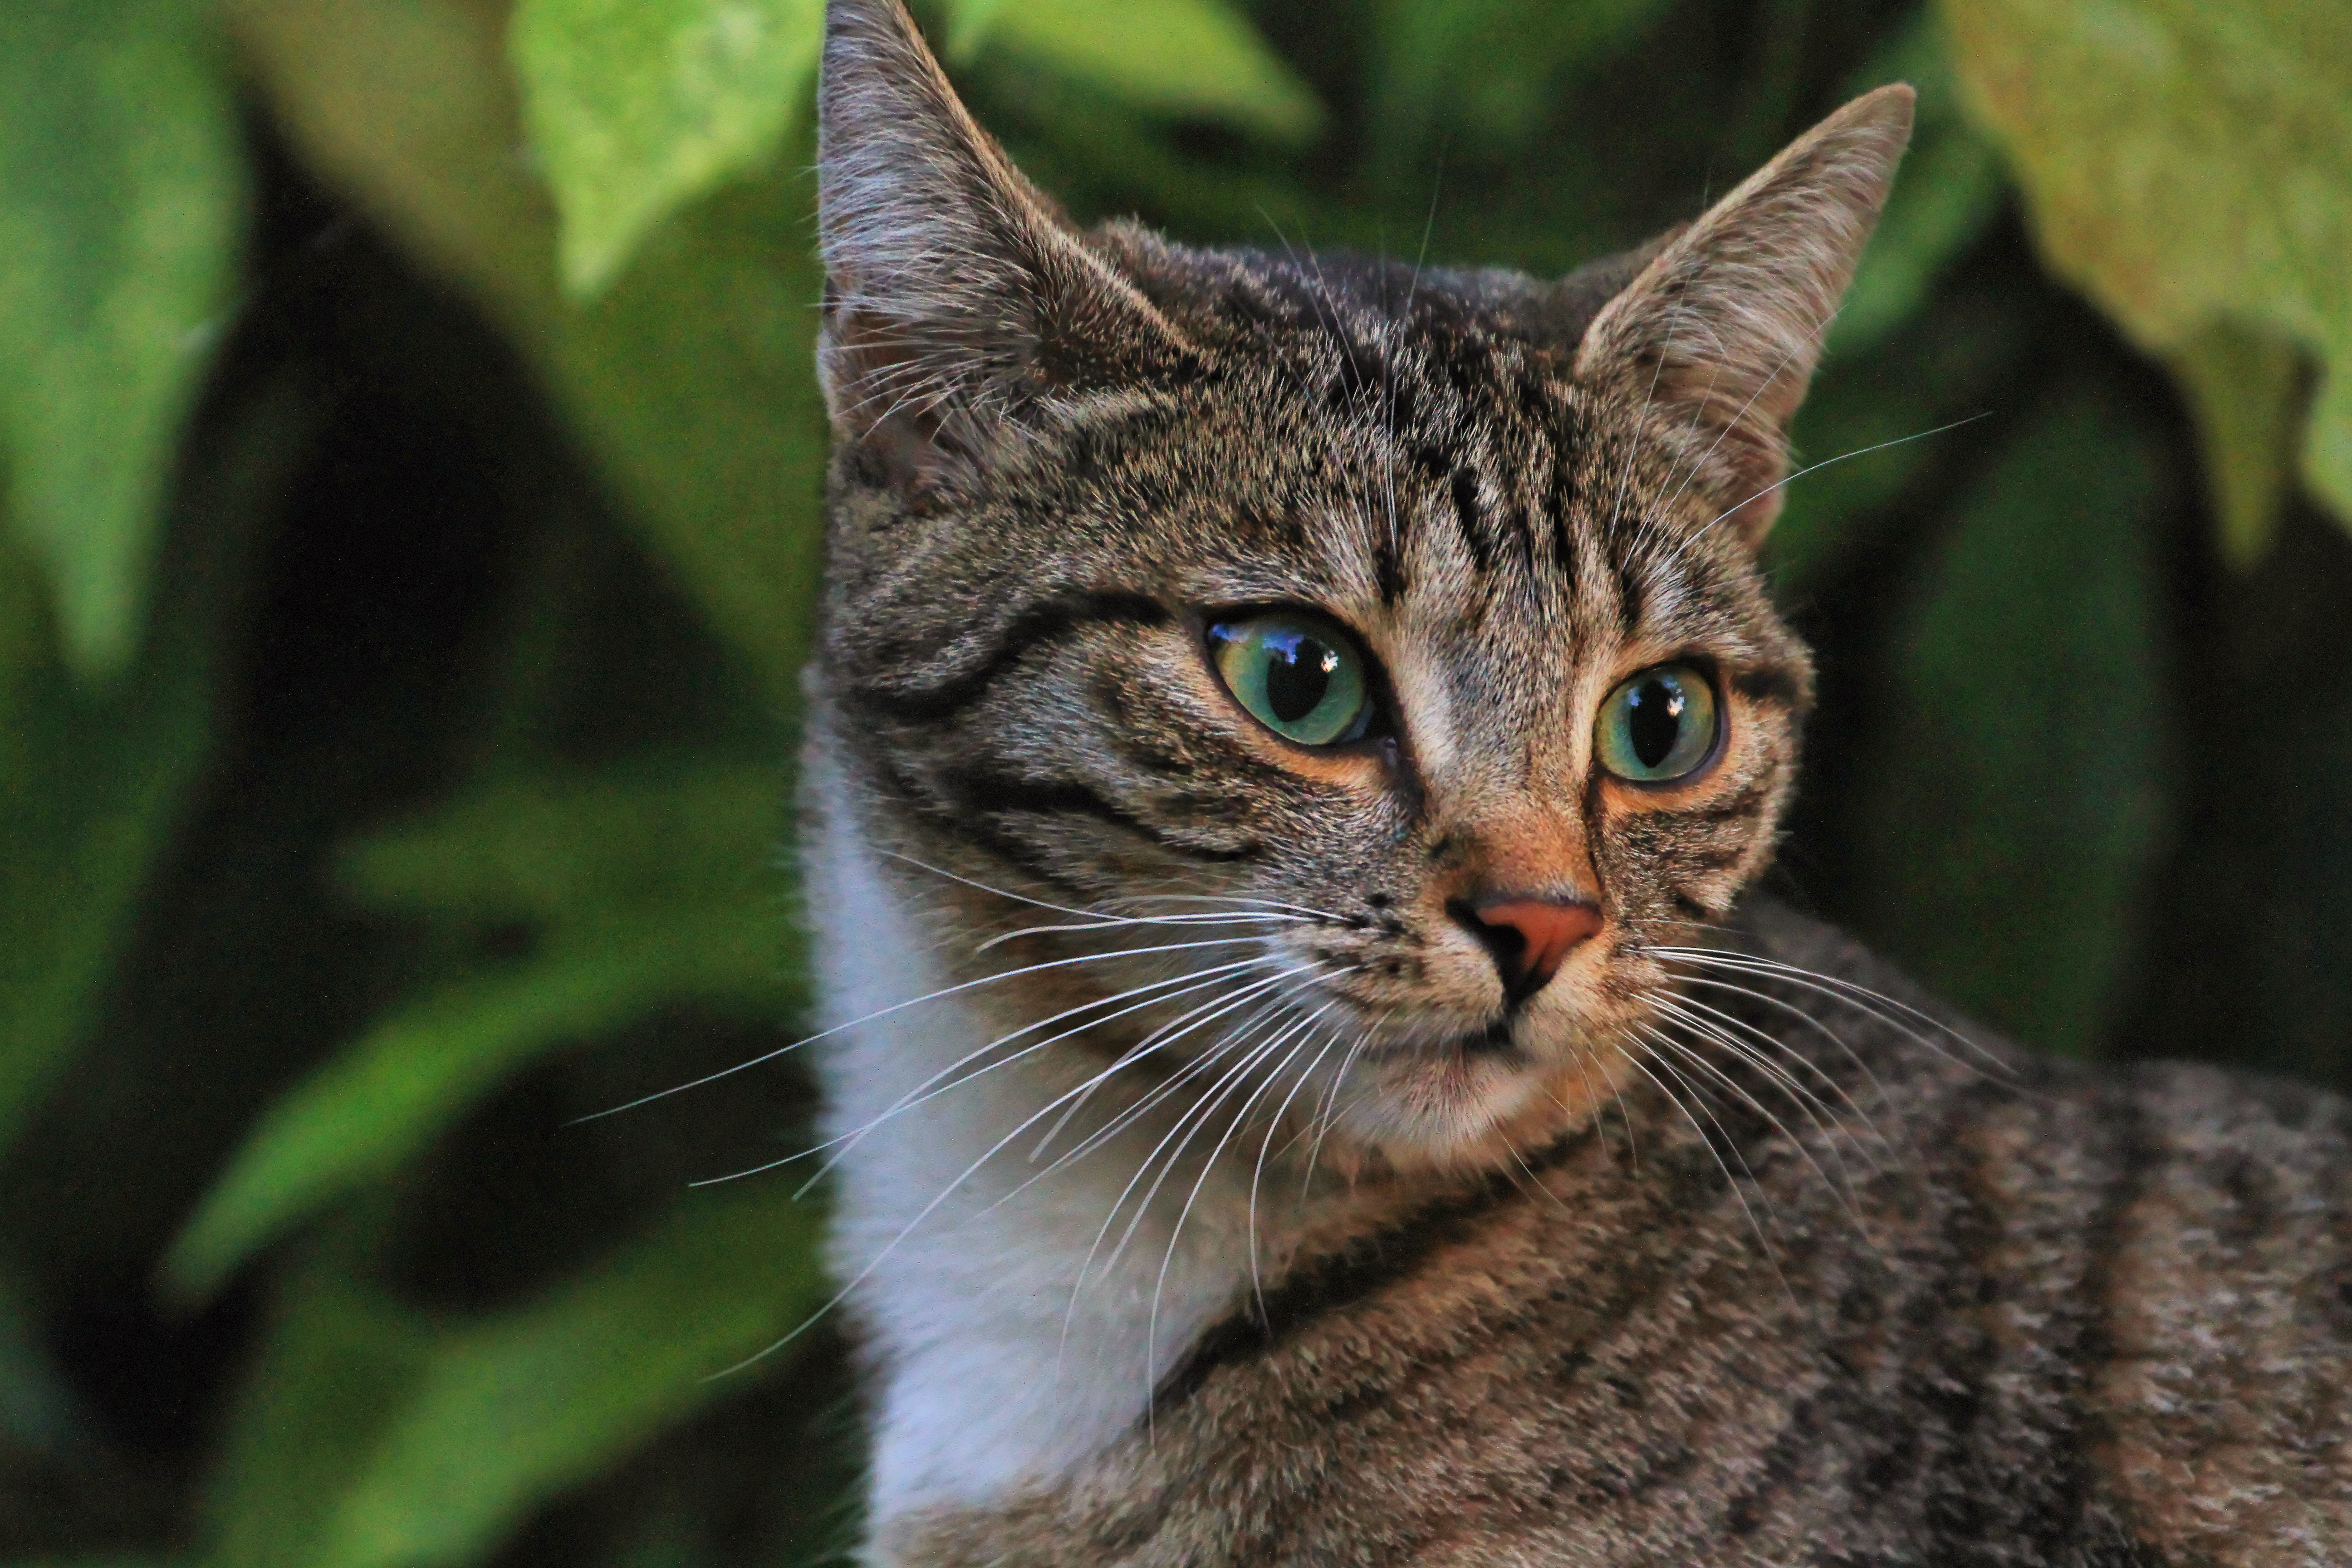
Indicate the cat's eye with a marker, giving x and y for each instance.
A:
(1296, 673)
(1658, 726)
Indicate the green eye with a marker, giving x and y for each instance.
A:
(1658, 726)
(1297, 674)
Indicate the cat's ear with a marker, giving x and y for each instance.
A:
(960, 304)
(1719, 333)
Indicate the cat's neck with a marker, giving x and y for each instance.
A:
(1012, 1334)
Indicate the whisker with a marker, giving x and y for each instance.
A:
(1840, 1186)
(1182, 984)
(1205, 1014)
(1122, 922)
(1273, 1126)
(1877, 1089)
(1852, 994)
(902, 1006)
(1735, 1034)
(1841, 457)
(1755, 1225)
(929, 1209)
(1298, 1030)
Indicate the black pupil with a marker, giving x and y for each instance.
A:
(1653, 721)
(1297, 676)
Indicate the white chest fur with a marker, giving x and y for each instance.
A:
(1011, 1342)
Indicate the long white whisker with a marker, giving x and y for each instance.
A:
(1877, 1089)
(1120, 922)
(1841, 457)
(1183, 985)
(1734, 1034)
(1273, 1125)
(867, 1272)
(1167, 1033)
(902, 1006)
(1295, 1030)
(1861, 998)
(1731, 1180)
(1839, 1186)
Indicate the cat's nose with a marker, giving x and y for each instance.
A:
(1529, 937)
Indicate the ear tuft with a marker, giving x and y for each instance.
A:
(1720, 333)
(956, 297)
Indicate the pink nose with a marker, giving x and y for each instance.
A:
(1531, 937)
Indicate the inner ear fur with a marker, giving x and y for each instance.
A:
(1719, 334)
(959, 301)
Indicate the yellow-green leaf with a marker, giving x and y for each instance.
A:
(2190, 164)
(2245, 389)
(121, 200)
(1178, 56)
(637, 107)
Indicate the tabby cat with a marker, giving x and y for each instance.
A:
(1291, 738)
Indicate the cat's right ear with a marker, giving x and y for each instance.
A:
(1719, 335)
(961, 307)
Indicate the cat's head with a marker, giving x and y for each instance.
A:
(1393, 636)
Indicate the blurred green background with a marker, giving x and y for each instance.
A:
(410, 467)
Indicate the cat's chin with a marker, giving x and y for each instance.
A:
(1475, 1099)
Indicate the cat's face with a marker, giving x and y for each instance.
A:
(1394, 640)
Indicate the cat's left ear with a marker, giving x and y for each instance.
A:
(961, 306)
(1719, 335)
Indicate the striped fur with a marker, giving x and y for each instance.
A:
(1219, 1202)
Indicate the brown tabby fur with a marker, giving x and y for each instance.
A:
(1590, 1299)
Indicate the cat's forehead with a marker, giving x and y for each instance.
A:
(1407, 446)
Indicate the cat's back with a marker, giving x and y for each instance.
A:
(2034, 1317)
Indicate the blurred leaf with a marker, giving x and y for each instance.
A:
(515, 1409)
(1176, 57)
(646, 889)
(1948, 189)
(338, 1363)
(2245, 391)
(120, 202)
(689, 381)
(2186, 164)
(1486, 68)
(635, 107)
(93, 779)
(2020, 798)
(371, 1437)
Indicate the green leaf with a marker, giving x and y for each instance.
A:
(94, 779)
(519, 1407)
(637, 107)
(2245, 391)
(2018, 796)
(2190, 164)
(647, 889)
(1197, 58)
(369, 1436)
(688, 382)
(338, 1362)
(120, 202)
